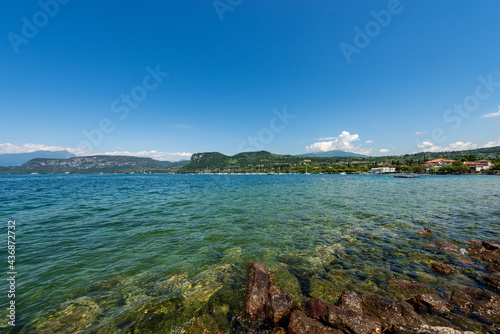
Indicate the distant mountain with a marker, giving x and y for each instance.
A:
(97, 164)
(17, 159)
(331, 154)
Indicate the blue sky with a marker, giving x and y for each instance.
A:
(166, 79)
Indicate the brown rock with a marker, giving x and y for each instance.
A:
(302, 324)
(481, 303)
(350, 300)
(405, 284)
(315, 308)
(485, 251)
(349, 321)
(430, 303)
(425, 231)
(443, 268)
(494, 266)
(281, 305)
(390, 312)
(446, 244)
(448, 249)
(256, 298)
(493, 280)
(490, 245)
(424, 329)
(279, 330)
(447, 295)
(466, 262)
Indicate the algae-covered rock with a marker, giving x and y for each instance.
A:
(324, 290)
(71, 316)
(204, 324)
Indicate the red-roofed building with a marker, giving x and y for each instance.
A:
(438, 162)
(479, 165)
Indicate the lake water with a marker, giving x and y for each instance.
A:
(116, 253)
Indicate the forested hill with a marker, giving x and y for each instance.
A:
(266, 161)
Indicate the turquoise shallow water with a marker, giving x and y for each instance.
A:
(112, 253)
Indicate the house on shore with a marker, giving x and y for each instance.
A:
(381, 170)
(479, 166)
(438, 162)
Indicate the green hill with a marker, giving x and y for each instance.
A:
(263, 161)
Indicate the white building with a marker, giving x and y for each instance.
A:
(381, 170)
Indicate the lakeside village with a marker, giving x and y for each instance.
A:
(436, 166)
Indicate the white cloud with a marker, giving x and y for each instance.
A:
(162, 156)
(383, 150)
(181, 126)
(30, 147)
(343, 142)
(368, 141)
(492, 114)
(458, 146)
(421, 132)
(26, 148)
(491, 144)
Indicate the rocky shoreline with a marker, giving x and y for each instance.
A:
(269, 309)
(297, 298)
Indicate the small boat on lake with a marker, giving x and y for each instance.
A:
(407, 176)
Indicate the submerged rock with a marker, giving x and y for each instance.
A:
(430, 303)
(425, 231)
(405, 288)
(72, 316)
(443, 268)
(494, 266)
(446, 244)
(425, 329)
(477, 302)
(349, 321)
(281, 305)
(204, 324)
(256, 298)
(485, 251)
(466, 262)
(302, 324)
(493, 280)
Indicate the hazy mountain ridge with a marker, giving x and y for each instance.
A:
(94, 165)
(17, 159)
(331, 154)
